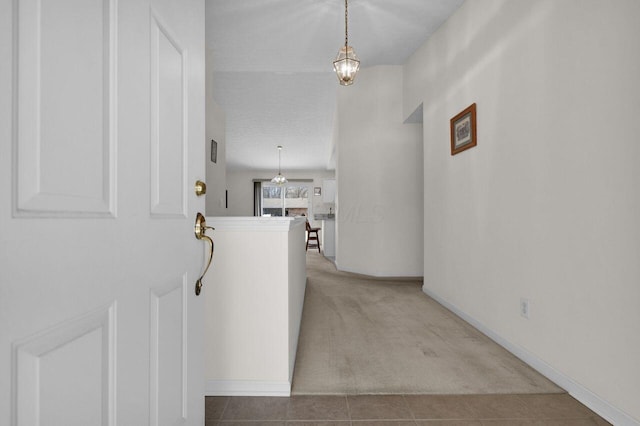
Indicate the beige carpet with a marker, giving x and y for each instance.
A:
(364, 336)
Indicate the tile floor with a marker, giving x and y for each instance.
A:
(382, 410)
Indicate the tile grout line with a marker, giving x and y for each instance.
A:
(346, 400)
(413, 415)
(226, 404)
(526, 406)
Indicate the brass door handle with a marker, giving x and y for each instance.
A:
(200, 230)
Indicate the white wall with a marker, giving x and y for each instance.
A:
(546, 207)
(240, 185)
(254, 293)
(379, 220)
(216, 129)
(297, 266)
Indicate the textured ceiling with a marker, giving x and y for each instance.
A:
(273, 71)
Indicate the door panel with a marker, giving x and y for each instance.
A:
(168, 388)
(168, 112)
(82, 349)
(54, 124)
(103, 102)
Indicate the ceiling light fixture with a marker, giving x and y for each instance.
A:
(347, 63)
(279, 179)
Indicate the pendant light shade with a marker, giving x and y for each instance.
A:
(347, 63)
(279, 179)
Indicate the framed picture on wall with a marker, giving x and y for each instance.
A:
(317, 191)
(463, 130)
(214, 151)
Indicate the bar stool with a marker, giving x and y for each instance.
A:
(312, 235)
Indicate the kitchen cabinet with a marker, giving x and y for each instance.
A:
(329, 190)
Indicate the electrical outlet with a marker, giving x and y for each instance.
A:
(524, 308)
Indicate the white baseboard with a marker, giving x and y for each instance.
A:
(579, 392)
(246, 388)
(378, 276)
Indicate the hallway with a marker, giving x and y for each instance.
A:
(370, 336)
(379, 352)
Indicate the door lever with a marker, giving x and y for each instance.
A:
(200, 229)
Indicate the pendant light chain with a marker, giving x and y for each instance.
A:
(346, 24)
(279, 179)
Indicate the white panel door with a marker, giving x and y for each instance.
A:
(101, 142)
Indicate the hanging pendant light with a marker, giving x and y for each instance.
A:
(279, 179)
(347, 63)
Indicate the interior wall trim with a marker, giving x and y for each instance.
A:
(254, 223)
(246, 388)
(288, 180)
(378, 276)
(601, 407)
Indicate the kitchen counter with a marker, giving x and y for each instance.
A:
(324, 216)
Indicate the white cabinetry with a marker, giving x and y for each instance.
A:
(329, 190)
(328, 237)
